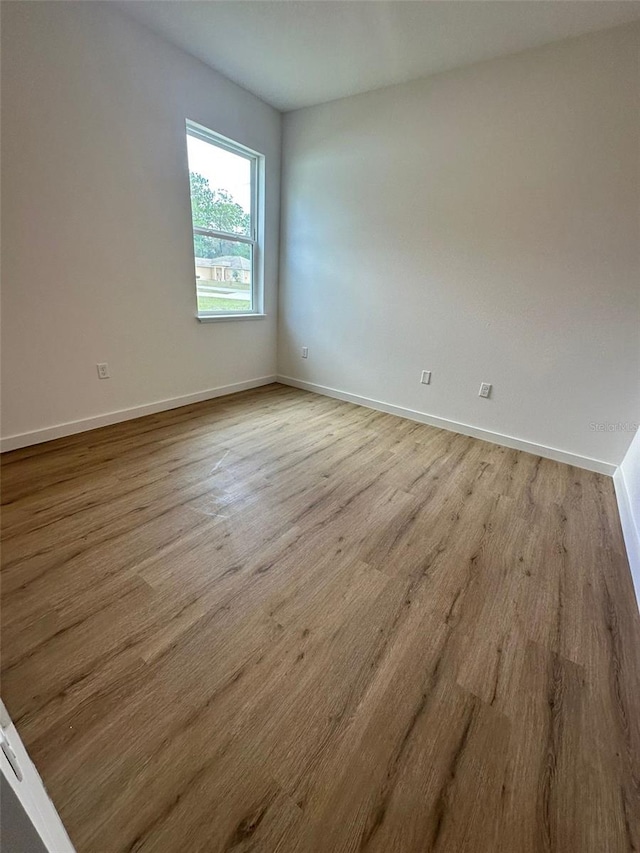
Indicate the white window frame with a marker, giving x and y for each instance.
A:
(255, 238)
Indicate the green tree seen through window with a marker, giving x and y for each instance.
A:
(216, 210)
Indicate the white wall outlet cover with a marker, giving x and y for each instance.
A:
(485, 389)
(103, 370)
(425, 377)
(305, 352)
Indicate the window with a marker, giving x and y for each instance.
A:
(224, 179)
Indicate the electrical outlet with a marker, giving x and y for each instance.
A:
(305, 352)
(485, 389)
(103, 370)
(426, 377)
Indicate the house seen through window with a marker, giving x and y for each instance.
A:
(224, 196)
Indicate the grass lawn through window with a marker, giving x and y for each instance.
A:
(212, 303)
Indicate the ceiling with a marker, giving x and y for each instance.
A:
(294, 53)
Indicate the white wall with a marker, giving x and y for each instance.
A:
(94, 173)
(482, 224)
(627, 483)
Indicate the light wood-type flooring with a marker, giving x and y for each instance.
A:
(279, 622)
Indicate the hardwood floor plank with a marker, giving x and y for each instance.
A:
(281, 623)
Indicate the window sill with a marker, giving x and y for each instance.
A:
(224, 318)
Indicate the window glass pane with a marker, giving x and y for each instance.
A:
(220, 188)
(223, 274)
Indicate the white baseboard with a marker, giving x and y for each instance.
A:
(453, 426)
(13, 442)
(630, 529)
